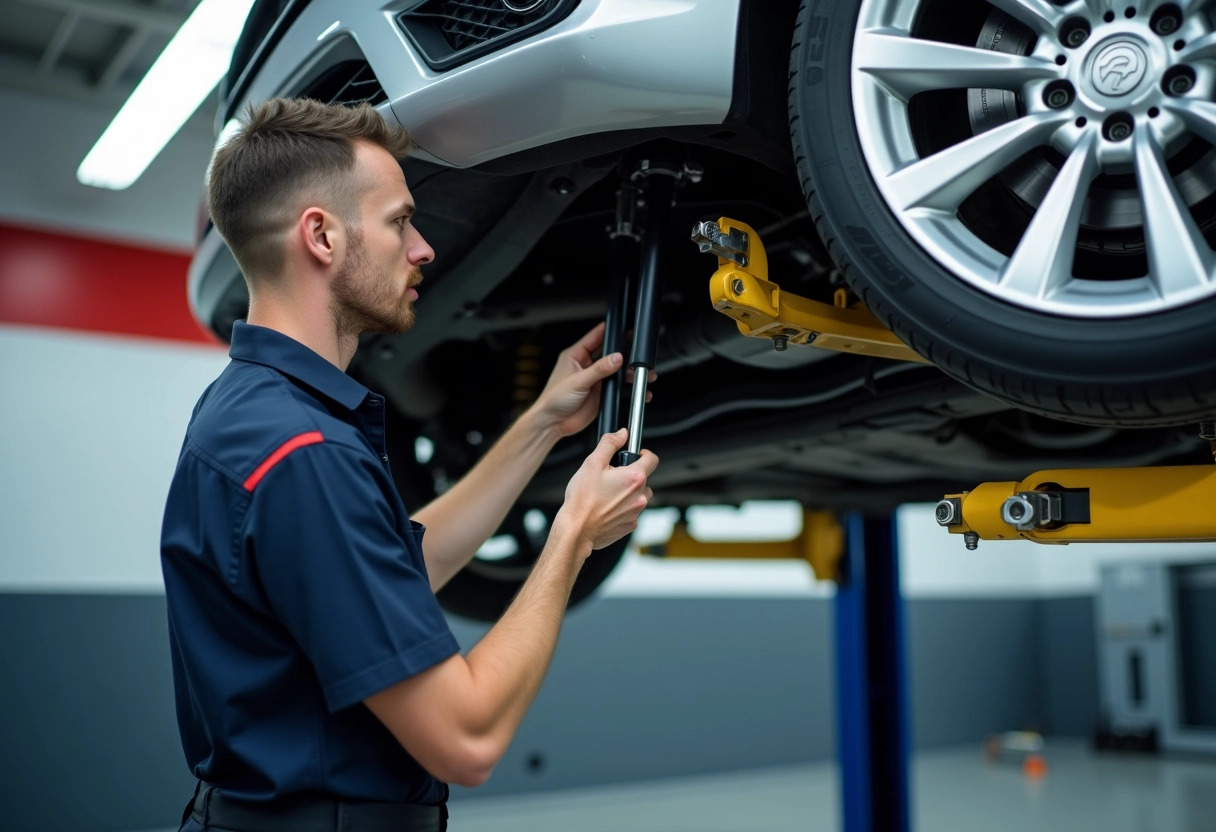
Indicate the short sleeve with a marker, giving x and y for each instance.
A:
(342, 574)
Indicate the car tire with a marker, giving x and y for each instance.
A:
(1130, 370)
(484, 589)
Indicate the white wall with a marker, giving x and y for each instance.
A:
(89, 436)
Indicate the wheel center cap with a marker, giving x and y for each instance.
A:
(1118, 68)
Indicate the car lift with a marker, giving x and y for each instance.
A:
(857, 551)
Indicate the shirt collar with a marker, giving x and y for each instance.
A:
(271, 348)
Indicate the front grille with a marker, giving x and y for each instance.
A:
(448, 33)
(346, 82)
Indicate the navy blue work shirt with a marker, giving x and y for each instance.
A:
(295, 583)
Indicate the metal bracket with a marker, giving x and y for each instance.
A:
(740, 289)
(729, 245)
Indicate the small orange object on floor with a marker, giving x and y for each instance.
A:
(1034, 766)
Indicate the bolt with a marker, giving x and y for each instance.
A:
(1075, 32)
(1180, 85)
(972, 539)
(1058, 95)
(1167, 20)
(1017, 511)
(780, 342)
(736, 286)
(1118, 127)
(944, 513)
(561, 186)
(1207, 429)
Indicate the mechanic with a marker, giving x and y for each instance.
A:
(318, 686)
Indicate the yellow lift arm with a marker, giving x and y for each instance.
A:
(740, 289)
(1062, 506)
(821, 544)
(1088, 505)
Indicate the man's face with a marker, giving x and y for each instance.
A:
(373, 289)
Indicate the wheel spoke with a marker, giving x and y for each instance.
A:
(1191, 6)
(1043, 259)
(945, 179)
(1179, 258)
(1098, 7)
(1200, 116)
(907, 65)
(1040, 15)
(1200, 49)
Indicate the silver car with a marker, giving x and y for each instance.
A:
(1023, 191)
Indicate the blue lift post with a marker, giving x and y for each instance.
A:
(871, 700)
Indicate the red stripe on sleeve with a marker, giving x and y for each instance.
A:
(310, 438)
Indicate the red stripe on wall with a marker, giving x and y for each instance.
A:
(57, 280)
(310, 438)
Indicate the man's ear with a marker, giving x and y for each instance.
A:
(321, 234)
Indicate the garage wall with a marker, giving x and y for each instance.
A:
(676, 668)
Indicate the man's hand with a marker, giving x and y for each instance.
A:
(571, 398)
(603, 501)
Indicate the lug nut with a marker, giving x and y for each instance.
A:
(1180, 85)
(1179, 80)
(1074, 32)
(1166, 20)
(1118, 127)
(1058, 95)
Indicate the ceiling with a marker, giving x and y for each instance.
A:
(84, 50)
(66, 67)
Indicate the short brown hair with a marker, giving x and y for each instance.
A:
(290, 153)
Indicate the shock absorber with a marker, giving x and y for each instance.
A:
(625, 238)
(657, 181)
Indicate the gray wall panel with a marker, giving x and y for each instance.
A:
(644, 688)
(88, 728)
(1069, 665)
(974, 668)
(640, 688)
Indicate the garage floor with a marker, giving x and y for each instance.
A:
(953, 790)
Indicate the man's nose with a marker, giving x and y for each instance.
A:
(420, 252)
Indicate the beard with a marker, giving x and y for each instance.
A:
(365, 298)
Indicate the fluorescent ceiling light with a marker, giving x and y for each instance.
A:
(182, 77)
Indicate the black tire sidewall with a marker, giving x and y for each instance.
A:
(482, 598)
(1156, 365)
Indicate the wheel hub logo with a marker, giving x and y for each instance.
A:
(1119, 68)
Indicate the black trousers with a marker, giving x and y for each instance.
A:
(211, 810)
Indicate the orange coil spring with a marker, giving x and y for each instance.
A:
(527, 378)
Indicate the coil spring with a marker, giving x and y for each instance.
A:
(527, 378)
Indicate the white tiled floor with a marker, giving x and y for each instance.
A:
(952, 790)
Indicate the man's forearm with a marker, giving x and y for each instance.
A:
(464, 517)
(510, 662)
